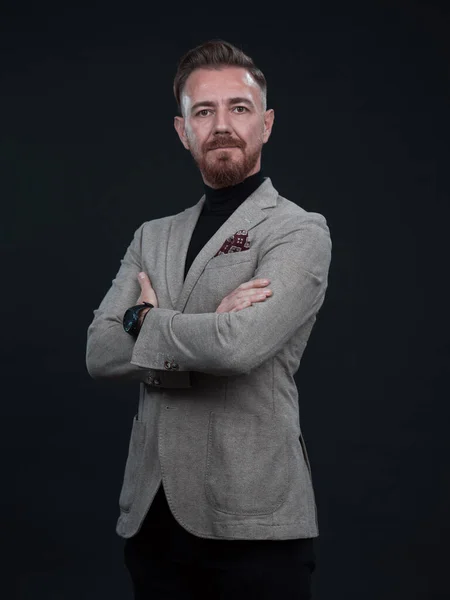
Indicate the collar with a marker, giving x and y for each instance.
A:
(225, 200)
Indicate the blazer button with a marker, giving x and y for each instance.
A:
(156, 381)
(175, 366)
(167, 365)
(150, 380)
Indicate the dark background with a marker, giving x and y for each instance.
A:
(89, 152)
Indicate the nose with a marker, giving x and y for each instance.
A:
(221, 121)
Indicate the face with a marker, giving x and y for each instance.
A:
(223, 124)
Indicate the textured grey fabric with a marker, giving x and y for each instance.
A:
(218, 417)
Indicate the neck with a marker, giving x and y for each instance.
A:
(226, 200)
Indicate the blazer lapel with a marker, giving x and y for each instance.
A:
(181, 230)
(246, 216)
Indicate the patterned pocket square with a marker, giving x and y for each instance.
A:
(235, 243)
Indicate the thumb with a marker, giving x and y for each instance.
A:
(143, 278)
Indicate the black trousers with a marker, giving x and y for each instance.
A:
(167, 562)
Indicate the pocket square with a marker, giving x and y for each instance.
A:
(235, 243)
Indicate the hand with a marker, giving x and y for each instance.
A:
(244, 295)
(147, 295)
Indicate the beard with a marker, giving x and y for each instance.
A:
(219, 167)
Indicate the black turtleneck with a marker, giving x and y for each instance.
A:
(219, 205)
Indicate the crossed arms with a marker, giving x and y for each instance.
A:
(296, 260)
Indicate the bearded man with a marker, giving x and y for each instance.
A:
(211, 311)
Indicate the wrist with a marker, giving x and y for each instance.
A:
(132, 317)
(142, 316)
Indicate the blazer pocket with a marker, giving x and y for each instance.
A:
(247, 463)
(133, 464)
(232, 258)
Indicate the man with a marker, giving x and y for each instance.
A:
(217, 498)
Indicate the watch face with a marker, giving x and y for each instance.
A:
(129, 319)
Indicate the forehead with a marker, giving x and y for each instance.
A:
(218, 84)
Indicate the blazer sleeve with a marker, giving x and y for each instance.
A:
(109, 348)
(296, 259)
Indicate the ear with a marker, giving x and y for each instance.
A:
(269, 117)
(179, 126)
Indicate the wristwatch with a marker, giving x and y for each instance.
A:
(131, 318)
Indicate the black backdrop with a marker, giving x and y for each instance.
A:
(360, 93)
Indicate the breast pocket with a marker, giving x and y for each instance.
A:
(223, 274)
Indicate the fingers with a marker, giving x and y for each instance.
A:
(241, 306)
(245, 295)
(246, 298)
(254, 283)
(252, 295)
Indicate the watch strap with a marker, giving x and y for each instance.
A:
(132, 316)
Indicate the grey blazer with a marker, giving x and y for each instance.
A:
(218, 416)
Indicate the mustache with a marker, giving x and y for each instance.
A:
(223, 143)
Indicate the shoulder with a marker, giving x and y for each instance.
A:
(286, 209)
(298, 236)
(287, 217)
(160, 224)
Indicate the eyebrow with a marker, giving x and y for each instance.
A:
(235, 100)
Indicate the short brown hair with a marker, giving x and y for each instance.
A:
(213, 55)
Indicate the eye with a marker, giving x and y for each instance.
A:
(241, 112)
(203, 110)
